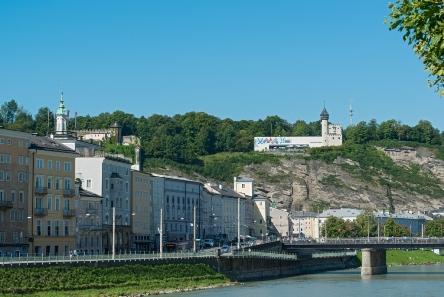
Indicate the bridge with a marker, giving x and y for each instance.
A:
(373, 248)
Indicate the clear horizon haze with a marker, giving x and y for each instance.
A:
(231, 59)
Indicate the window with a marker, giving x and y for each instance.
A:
(4, 176)
(106, 184)
(57, 185)
(57, 203)
(49, 182)
(57, 165)
(39, 203)
(67, 166)
(39, 181)
(21, 197)
(39, 228)
(49, 164)
(243, 186)
(57, 228)
(40, 164)
(127, 187)
(67, 184)
(13, 196)
(66, 204)
(88, 183)
(22, 177)
(66, 228)
(49, 200)
(49, 229)
(5, 159)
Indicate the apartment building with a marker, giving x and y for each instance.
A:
(14, 192)
(178, 198)
(142, 220)
(89, 227)
(109, 177)
(53, 203)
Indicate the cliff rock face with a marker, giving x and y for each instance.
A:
(299, 183)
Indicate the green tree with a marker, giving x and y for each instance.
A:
(392, 229)
(336, 228)
(301, 128)
(366, 224)
(422, 26)
(435, 228)
(44, 121)
(9, 111)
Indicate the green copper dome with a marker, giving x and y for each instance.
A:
(62, 109)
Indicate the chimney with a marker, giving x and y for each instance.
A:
(234, 183)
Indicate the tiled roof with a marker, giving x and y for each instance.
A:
(341, 213)
(49, 144)
(86, 193)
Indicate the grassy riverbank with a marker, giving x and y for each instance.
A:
(412, 257)
(106, 281)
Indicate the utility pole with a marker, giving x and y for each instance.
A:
(194, 228)
(238, 223)
(161, 234)
(368, 228)
(114, 234)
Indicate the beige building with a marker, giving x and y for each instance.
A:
(280, 222)
(142, 220)
(304, 224)
(14, 192)
(53, 207)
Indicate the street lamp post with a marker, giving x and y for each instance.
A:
(161, 234)
(194, 229)
(238, 223)
(114, 234)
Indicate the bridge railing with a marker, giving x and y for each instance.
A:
(371, 240)
(40, 259)
(259, 254)
(333, 254)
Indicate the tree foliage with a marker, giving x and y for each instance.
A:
(435, 228)
(422, 25)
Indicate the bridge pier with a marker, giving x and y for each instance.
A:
(373, 262)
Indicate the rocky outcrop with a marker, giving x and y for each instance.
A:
(303, 184)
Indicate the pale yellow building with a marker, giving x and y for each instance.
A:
(53, 207)
(14, 191)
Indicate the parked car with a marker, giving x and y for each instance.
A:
(209, 243)
(225, 248)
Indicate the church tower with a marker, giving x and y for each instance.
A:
(61, 118)
(324, 125)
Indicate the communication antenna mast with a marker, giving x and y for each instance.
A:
(351, 111)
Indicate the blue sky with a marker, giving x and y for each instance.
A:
(237, 59)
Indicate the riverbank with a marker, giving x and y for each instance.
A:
(85, 281)
(413, 257)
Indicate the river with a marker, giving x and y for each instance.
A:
(401, 281)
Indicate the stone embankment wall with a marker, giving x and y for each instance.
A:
(248, 269)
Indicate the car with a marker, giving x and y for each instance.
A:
(225, 248)
(209, 243)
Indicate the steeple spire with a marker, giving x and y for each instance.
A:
(62, 117)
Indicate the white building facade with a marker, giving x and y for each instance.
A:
(111, 179)
(331, 135)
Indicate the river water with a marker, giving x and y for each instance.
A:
(402, 281)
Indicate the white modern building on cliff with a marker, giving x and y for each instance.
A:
(331, 136)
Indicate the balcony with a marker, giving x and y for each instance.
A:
(69, 192)
(41, 190)
(90, 227)
(40, 212)
(91, 211)
(5, 204)
(68, 213)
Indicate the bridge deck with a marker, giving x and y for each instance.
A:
(362, 243)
